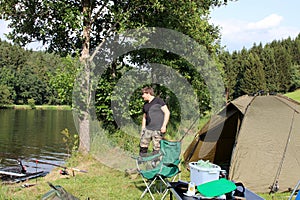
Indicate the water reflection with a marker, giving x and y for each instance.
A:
(31, 135)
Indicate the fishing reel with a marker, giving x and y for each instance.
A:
(64, 172)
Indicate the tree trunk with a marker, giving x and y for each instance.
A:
(84, 133)
(84, 119)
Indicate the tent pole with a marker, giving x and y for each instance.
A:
(274, 187)
(189, 129)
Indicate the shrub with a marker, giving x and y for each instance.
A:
(5, 95)
(31, 103)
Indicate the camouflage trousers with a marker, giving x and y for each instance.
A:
(149, 135)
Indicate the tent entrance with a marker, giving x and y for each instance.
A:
(226, 141)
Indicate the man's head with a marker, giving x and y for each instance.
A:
(147, 93)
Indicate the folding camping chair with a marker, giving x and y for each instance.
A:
(294, 191)
(58, 193)
(161, 166)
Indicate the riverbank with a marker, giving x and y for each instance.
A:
(101, 182)
(37, 107)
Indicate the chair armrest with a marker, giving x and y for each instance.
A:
(176, 163)
(146, 158)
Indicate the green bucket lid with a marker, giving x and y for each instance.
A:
(216, 188)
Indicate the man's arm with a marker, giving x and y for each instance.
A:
(166, 118)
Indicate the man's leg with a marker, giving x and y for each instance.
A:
(156, 137)
(144, 141)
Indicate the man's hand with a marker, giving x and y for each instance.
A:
(163, 129)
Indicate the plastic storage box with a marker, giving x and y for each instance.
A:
(203, 174)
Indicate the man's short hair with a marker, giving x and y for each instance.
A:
(148, 90)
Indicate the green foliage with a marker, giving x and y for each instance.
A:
(284, 60)
(267, 57)
(4, 95)
(103, 97)
(295, 77)
(125, 141)
(46, 78)
(254, 77)
(31, 103)
(61, 80)
(58, 30)
(71, 141)
(188, 17)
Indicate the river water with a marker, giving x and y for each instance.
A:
(33, 136)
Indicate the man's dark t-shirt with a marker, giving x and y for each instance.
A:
(154, 114)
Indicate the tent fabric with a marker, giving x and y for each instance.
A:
(219, 135)
(256, 139)
(242, 103)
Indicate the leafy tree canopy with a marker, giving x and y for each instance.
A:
(65, 26)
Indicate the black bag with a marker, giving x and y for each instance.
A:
(239, 191)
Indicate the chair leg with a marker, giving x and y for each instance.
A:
(167, 190)
(148, 188)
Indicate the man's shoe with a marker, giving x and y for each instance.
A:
(131, 171)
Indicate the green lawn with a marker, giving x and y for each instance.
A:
(294, 95)
(101, 182)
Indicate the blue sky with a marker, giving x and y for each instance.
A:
(4, 29)
(245, 22)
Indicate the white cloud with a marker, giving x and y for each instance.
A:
(270, 21)
(238, 33)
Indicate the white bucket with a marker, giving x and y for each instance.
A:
(200, 175)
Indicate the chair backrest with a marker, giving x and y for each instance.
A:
(170, 151)
(298, 196)
(58, 193)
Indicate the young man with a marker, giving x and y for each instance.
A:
(154, 123)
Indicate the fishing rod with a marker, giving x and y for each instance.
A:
(61, 166)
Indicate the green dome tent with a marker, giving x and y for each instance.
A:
(256, 139)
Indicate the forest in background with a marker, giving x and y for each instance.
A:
(39, 78)
(35, 77)
(272, 68)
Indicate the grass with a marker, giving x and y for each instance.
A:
(101, 182)
(294, 95)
